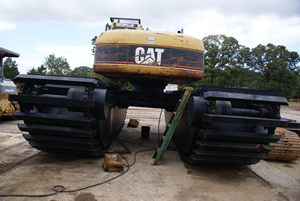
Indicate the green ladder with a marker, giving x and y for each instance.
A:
(171, 127)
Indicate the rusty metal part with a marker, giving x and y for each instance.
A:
(142, 72)
(287, 148)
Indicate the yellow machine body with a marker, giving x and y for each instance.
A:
(6, 107)
(152, 55)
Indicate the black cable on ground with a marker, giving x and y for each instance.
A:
(32, 196)
(134, 160)
(61, 189)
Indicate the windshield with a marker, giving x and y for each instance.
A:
(129, 21)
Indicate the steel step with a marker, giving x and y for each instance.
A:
(52, 100)
(231, 154)
(234, 90)
(57, 80)
(253, 121)
(60, 120)
(255, 98)
(231, 146)
(238, 136)
(58, 130)
(65, 140)
(94, 150)
(220, 160)
(66, 151)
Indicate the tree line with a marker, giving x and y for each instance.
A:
(265, 67)
(59, 66)
(227, 63)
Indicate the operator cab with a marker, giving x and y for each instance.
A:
(6, 85)
(123, 23)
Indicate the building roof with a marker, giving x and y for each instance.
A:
(7, 53)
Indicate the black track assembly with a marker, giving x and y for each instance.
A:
(67, 114)
(230, 126)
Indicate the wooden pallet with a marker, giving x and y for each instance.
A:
(287, 148)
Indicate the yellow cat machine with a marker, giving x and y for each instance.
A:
(83, 115)
(6, 87)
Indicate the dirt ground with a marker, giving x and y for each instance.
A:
(24, 170)
(294, 106)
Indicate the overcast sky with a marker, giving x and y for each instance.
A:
(37, 28)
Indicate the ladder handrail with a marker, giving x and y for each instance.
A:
(168, 134)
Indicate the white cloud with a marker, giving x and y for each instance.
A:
(5, 26)
(249, 31)
(155, 10)
(271, 29)
(250, 22)
(76, 56)
(87, 24)
(26, 64)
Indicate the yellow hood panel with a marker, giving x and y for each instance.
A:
(151, 38)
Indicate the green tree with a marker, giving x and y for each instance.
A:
(52, 66)
(293, 60)
(57, 65)
(39, 70)
(85, 71)
(10, 68)
(296, 93)
(82, 71)
(212, 46)
(223, 61)
(229, 64)
(94, 45)
(277, 67)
